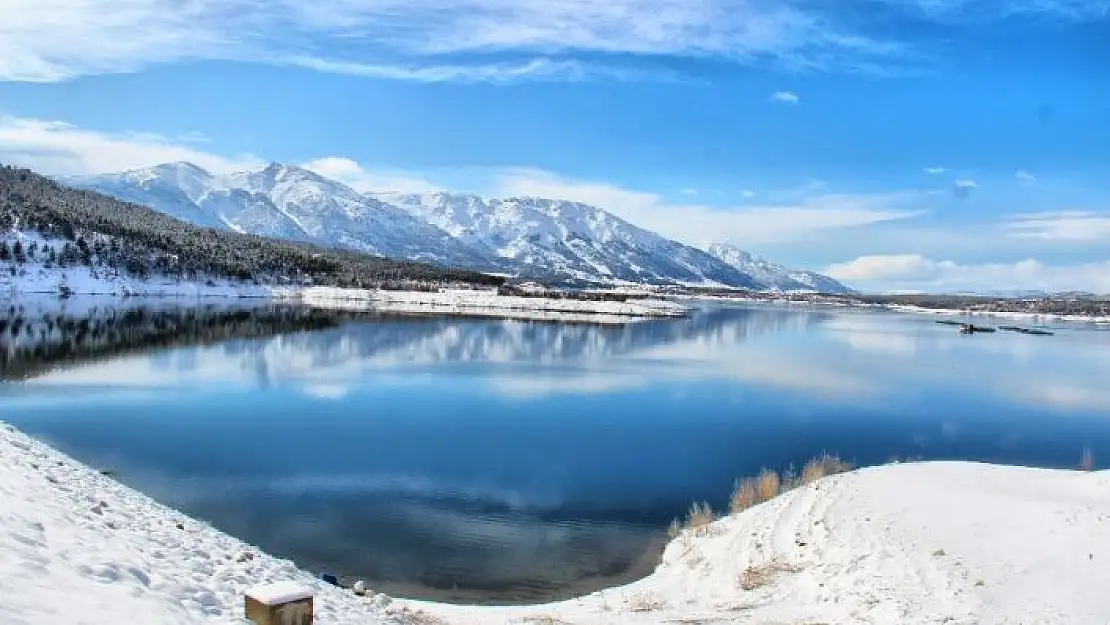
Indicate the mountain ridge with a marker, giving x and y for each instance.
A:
(555, 241)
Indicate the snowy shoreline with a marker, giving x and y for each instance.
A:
(950, 542)
(1018, 316)
(469, 302)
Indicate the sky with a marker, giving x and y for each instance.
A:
(894, 144)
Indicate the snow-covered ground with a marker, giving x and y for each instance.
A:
(956, 543)
(481, 302)
(77, 548)
(33, 279)
(1018, 316)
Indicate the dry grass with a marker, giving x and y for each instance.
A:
(1087, 459)
(544, 619)
(755, 577)
(410, 616)
(769, 484)
(644, 603)
(823, 466)
(697, 521)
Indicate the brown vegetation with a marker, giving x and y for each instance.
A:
(755, 577)
(751, 491)
(769, 484)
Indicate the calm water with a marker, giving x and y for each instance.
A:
(497, 461)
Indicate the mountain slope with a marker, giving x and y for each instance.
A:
(567, 240)
(773, 275)
(291, 203)
(49, 227)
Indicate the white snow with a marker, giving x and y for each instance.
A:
(483, 303)
(773, 276)
(78, 548)
(949, 542)
(957, 543)
(279, 593)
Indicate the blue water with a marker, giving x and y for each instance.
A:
(499, 461)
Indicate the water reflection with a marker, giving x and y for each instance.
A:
(485, 460)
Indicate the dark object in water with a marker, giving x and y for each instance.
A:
(329, 578)
(1032, 331)
(970, 328)
(950, 322)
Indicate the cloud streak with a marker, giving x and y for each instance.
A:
(1078, 226)
(472, 40)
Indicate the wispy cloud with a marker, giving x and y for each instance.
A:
(423, 40)
(964, 11)
(471, 40)
(1061, 226)
(59, 148)
(694, 223)
(785, 97)
(934, 171)
(1025, 178)
(909, 272)
(533, 69)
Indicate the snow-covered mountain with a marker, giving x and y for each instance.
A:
(550, 240)
(291, 203)
(775, 276)
(569, 240)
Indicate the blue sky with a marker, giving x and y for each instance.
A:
(898, 144)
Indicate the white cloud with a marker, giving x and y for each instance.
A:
(1061, 226)
(694, 223)
(933, 171)
(747, 194)
(911, 272)
(353, 175)
(51, 40)
(59, 148)
(785, 97)
(1025, 178)
(536, 69)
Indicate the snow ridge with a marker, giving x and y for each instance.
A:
(287, 202)
(568, 240)
(774, 276)
(533, 238)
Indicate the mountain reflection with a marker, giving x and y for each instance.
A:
(341, 348)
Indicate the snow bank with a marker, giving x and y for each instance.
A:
(481, 303)
(35, 279)
(957, 543)
(77, 548)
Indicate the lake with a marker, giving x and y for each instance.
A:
(491, 461)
